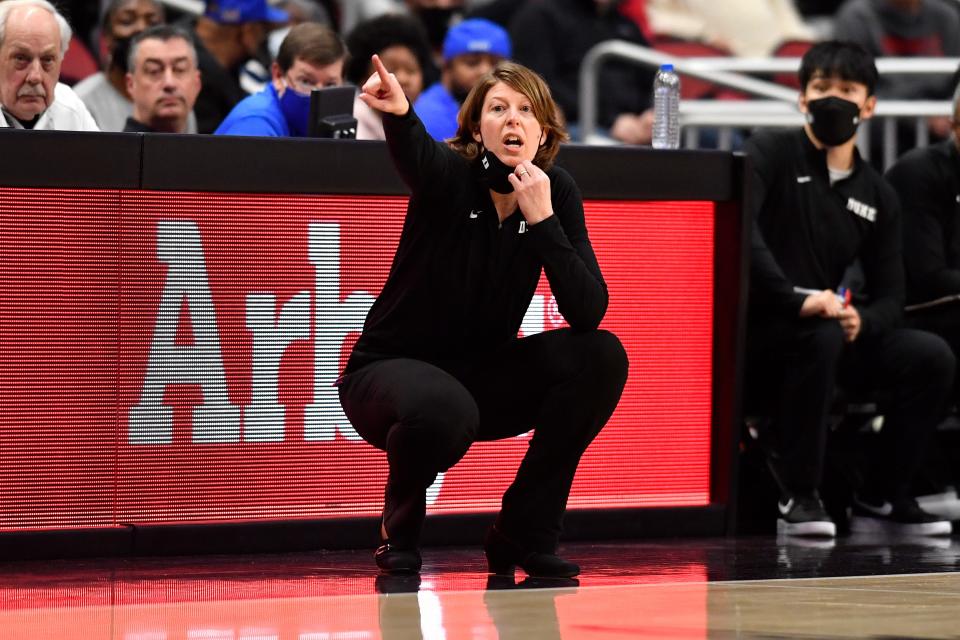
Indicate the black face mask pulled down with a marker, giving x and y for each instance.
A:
(492, 173)
(833, 120)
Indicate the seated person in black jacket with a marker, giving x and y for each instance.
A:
(163, 80)
(818, 208)
(928, 183)
(439, 364)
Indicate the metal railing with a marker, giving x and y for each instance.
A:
(778, 106)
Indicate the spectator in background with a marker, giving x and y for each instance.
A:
(748, 28)
(229, 33)
(818, 15)
(818, 208)
(401, 43)
(905, 28)
(928, 183)
(499, 11)
(255, 73)
(552, 36)
(311, 57)
(163, 80)
(105, 93)
(300, 11)
(436, 16)
(471, 49)
(353, 12)
(33, 39)
(636, 10)
(84, 17)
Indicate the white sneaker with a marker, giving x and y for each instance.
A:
(905, 517)
(946, 504)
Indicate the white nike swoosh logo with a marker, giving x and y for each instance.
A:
(803, 179)
(884, 510)
(473, 215)
(785, 508)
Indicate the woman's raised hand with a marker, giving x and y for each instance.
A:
(532, 187)
(382, 91)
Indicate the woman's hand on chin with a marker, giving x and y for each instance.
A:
(532, 186)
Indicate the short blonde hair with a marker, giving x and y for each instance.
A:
(545, 109)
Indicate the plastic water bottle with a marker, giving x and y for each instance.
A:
(666, 109)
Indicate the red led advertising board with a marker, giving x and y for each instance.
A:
(170, 357)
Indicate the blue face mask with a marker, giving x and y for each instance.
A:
(296, 110)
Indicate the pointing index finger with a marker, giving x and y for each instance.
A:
(381, 70)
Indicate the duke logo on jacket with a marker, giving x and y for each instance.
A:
(862, 210)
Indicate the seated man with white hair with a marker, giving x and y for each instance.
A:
(33, 39)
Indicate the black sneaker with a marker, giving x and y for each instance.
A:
(804, 515)
(903, 516)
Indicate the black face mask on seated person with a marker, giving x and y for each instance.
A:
(492, 172)
(119, 52)
(833, 120)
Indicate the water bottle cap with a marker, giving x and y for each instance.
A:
(666, 67)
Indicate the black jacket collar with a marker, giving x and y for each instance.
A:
(817, 158)
(135, 126)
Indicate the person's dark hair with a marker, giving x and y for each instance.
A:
(373, 36)
(164, 33)
(529, 83)
(311, 42)
(115, 5)
(835, 58)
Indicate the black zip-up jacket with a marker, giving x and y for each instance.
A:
(460, 282)
(807, 232)
(928, 183)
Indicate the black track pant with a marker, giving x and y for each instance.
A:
(944, 321)
(563, 384)
(801, 361)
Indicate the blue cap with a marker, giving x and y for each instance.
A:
(476, 35)
(242, 11)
